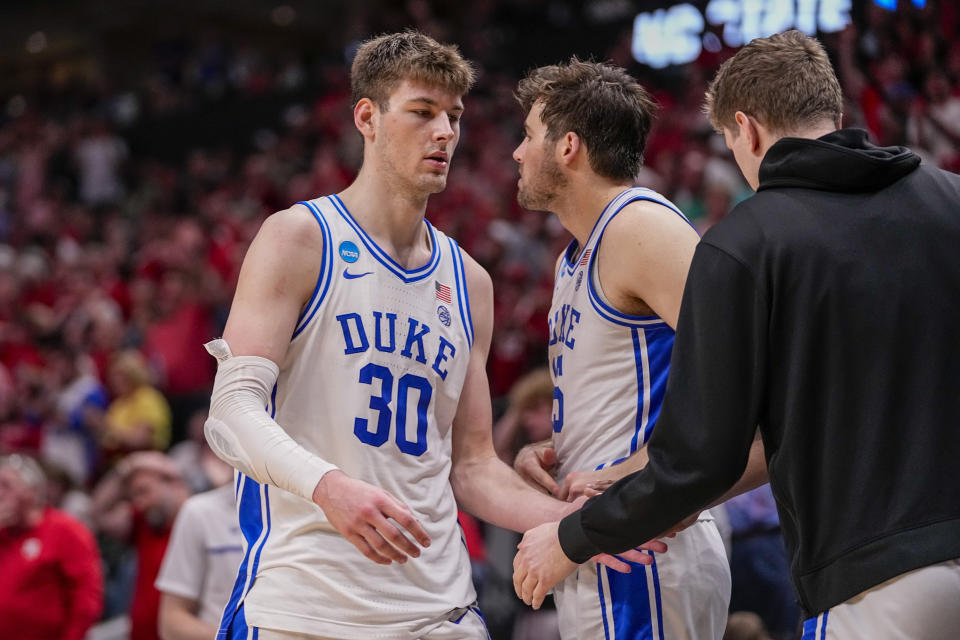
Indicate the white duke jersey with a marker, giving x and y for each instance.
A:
(610, 374)
(371, 383)
(609, 368)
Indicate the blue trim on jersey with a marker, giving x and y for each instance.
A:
(407, 276)
(659, 352)
(466, 296)
(637, 321)
(823, 627)
(463, 297)
(605, 310)
(638, 354)
(323, 278)
(571, 261)
(630, 604)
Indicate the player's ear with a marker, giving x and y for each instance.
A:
(364, 117)
(747, 126)
(568, 147)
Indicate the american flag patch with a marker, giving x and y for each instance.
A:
(586, 257)
(443, 292)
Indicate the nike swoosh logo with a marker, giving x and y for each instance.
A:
(351, 276)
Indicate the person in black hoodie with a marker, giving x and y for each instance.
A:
(823, 309)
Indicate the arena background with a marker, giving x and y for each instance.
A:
(142, 143)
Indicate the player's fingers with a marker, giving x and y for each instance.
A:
(519, 573)
(548, 458)
(539, 593)
(612, 562)
(401, 514)
(530, 582)
(395, 537)
(381, 546)
(599, 486)
(541, 478)
(637, 556)
(658, 546)
(367, 550)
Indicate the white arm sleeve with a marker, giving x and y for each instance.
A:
(241, 433)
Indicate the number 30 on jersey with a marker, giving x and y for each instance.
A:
(381, 404)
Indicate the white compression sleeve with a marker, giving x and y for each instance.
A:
(241, 433)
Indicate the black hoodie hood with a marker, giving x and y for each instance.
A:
(843, 161)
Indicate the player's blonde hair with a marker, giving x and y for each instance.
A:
(382, 63)
(785, 81)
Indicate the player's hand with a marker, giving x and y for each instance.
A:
(637, 555)
(534, 463)
(596, 488)
(360, 512)
(540, 564)
(577, 483)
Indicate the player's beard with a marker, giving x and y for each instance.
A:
(539, 190)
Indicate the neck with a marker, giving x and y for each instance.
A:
(811, 132)
(392, 215)
(582, 203)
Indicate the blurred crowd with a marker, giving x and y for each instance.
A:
(117, 263)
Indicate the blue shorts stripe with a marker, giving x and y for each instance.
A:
(630, 600)
(603, 604)
(823, 626)
(656, 592)
(810, 628)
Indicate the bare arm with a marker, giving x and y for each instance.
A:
(482, 483)
(178, 619)
(644, 258)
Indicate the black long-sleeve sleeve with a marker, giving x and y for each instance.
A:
(702, 439)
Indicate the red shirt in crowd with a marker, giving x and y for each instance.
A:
(150, 544)
(51, 585)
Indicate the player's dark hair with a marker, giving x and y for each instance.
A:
(604, 105)
(785, 81)
(382, 63)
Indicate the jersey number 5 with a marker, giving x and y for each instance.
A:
(381, 404)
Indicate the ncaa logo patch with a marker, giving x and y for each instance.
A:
(576, 287)
(444, 315)
(349, 251)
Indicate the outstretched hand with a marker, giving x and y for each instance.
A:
(540, 563)
(362, 513)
